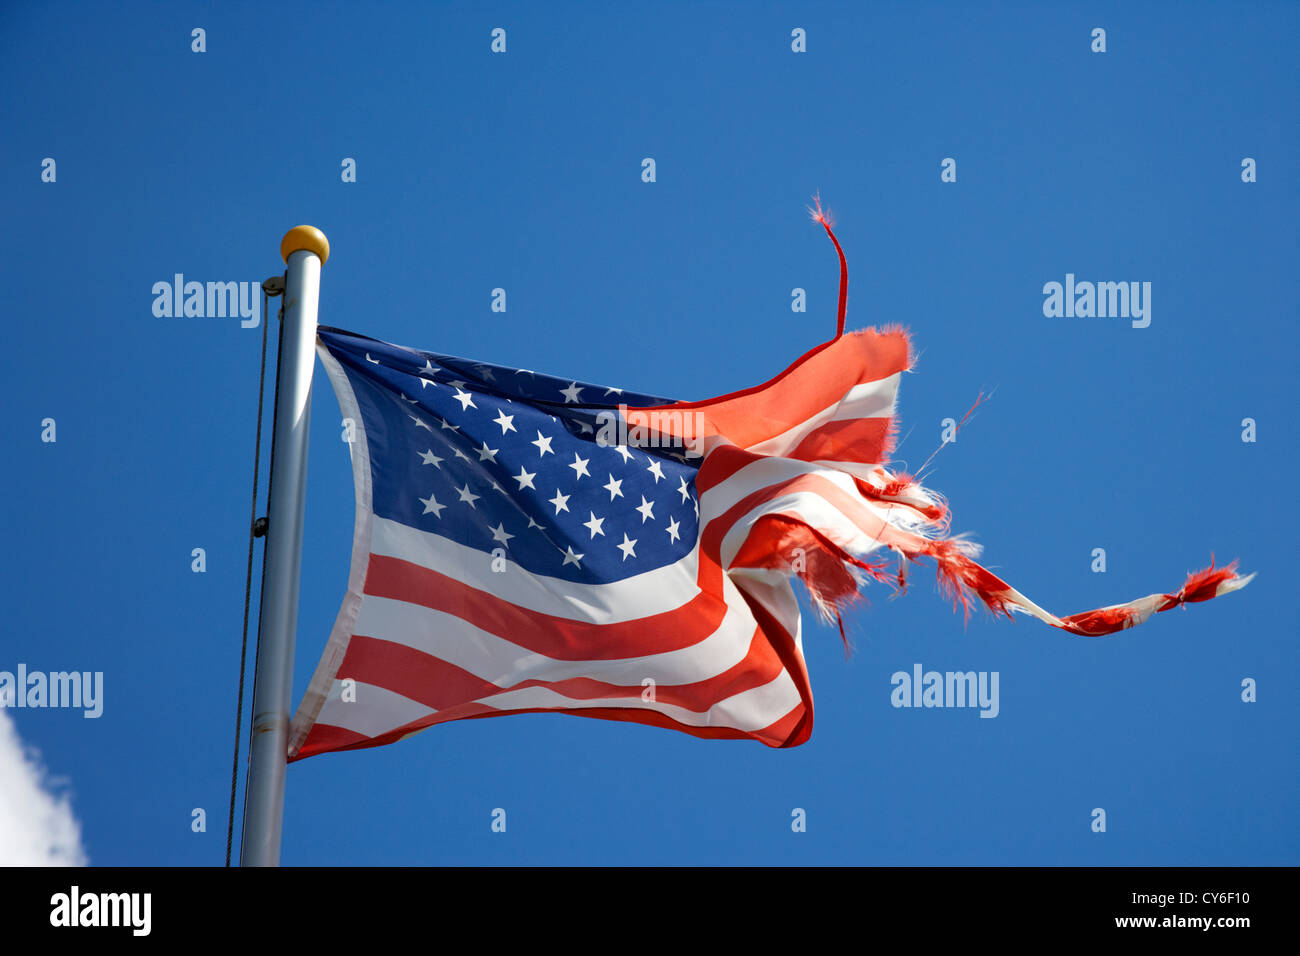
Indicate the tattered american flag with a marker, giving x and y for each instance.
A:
(526, 543)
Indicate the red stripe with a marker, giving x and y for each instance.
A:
(553, 636)
(721, 463)
(812, 384)
(787, 731)
(857, 439)
(439, 684)
(849, 506)
(326, 737)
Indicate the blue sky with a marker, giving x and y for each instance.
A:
(522, 171)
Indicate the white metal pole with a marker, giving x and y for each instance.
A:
(305, 249)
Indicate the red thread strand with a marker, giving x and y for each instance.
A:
(824, 219)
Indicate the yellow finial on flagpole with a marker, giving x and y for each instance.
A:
(305, 237)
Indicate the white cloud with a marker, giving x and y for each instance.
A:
(37, 825)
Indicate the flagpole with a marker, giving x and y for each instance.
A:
(304, 249)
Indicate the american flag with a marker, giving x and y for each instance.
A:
(507, 560)
(513, 555)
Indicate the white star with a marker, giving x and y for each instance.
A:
(431, 504)
(627, 547)
(466, 402)
(431, 459)
(505, 421)
(655, 470)
(579, 466)
(457, 384)
(425, 383)
(613, 391)
(370, 360)
(525, 478)
(461, 455)
(468, 496)
(673, 527)
(428, 368)
(571, 558)
(543, 444)
(420, 423)
(447, 424)
(410, 401)
(594, 525)
(488, 454)
(622, 450)
(560, 501)
(647, 509)
(682, 490)
(499, 533)
(615, 488)
(534, 524)
(496, 487)
(571, 393)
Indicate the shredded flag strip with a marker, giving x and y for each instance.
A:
(525, 543)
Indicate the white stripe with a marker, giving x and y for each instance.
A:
(869, 400)
(774, 589)
(376, 710)
(1234, 584)
(815, 511)
(770, 473)
(653, 592)
(749, 710)
(496, 659)
(767, 472)
(764, 472)
(760, 474)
